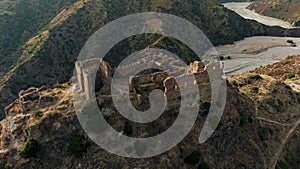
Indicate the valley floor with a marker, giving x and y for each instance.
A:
(253, 52)
(257, 51)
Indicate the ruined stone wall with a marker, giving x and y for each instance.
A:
(87, 69)
(147, 81)
(29, 100)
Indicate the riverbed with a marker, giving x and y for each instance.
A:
(241, 9)
(256, 51)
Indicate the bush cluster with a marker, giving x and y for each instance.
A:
(255, 77)
(193, 158)
(78, 145)
(31, 148)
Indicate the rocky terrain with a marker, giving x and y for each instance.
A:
(259, 127)
(275, 108)
(287, 10)
(48, 57)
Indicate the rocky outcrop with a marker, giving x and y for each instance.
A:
(56, 127)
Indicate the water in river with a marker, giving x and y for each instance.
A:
(241, 9)
(256, 51)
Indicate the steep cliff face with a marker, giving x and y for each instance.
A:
(259, 128)
(287, 10)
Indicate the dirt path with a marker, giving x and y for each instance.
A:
(275, 122)
(282, 145)
(157, 41)
(294, 126)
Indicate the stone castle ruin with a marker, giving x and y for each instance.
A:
(139, 85)
(30, 99)
(147, 80)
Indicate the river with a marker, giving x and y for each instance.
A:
(256, 51)
(241, 9)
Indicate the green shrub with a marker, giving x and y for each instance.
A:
(63, 107)
(235, 83)
(250, 120)
(221, 57)
(255, 77)
(219, 125)
(203, 165)
(290, 41)
(244, 120)
(60, 86)
(261, 135)
(283, 165)
(30, 149)
(127, 129)
(291, 75)
(7, 166)
(254, 90)
(38, 114)
(26, 132)
(193, 158)
(78, 145)
(65, 102)
(206, 105)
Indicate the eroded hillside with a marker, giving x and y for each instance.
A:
(275, 90)
(259, 128)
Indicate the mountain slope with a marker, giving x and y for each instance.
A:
(256, 130)
(49, 57)
(278, 107)
(20, 20)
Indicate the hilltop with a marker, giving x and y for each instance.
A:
(259, 128)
